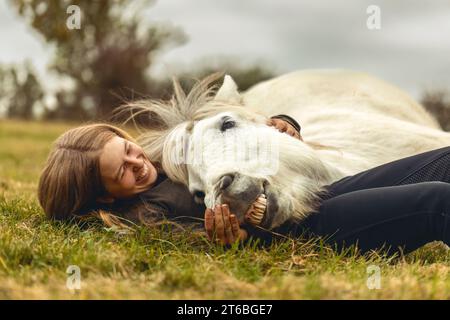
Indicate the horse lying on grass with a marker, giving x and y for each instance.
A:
(219, 146)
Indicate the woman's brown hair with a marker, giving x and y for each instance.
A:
(71, 181)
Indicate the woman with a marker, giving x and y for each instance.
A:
(98, 169)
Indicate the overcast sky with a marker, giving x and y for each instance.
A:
(411, 49)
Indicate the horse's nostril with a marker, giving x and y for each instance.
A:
(226, 181)
(199, 194)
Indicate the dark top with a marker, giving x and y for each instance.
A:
(166, 199)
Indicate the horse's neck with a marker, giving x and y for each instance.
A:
(334, 169)
(313, 163)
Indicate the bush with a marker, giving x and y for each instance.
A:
(438, 104)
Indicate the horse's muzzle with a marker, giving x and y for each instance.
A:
(240, 192)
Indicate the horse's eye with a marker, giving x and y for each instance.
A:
(227, 124)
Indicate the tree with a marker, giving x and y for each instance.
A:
(20, 91)
(106, 59)
(245, 76)
(437, 102)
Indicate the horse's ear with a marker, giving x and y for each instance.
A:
(228, 92)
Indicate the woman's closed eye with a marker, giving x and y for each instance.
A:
(124, 165)
(121, 172)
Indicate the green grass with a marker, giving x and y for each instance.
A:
(159, 264)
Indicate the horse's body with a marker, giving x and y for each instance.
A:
(350, 122)
(370, 121)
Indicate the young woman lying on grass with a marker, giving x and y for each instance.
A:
(99, 170)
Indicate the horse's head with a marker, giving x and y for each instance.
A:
(233, 157)
(230, 160)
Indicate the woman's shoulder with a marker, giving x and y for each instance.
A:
(165, 191)
(171, 198)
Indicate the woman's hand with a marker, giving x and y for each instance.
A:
(222, 226)
(285, 127)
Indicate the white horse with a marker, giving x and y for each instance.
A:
(221, 148)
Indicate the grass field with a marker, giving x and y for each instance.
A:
(156, 264)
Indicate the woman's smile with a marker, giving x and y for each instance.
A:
(143, 174)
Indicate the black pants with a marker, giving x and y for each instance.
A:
(402, 204)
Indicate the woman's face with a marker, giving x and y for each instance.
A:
(125, 169)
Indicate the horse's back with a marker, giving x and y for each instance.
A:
(306, 93)
(369, 121)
